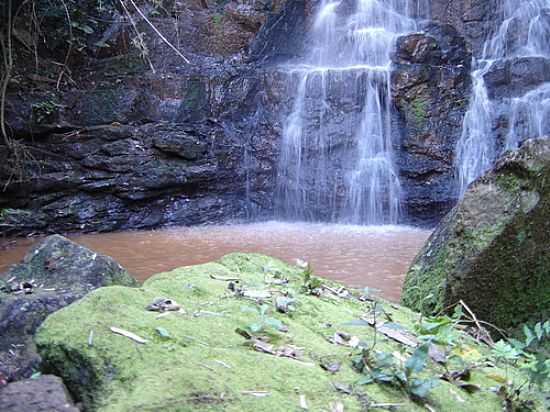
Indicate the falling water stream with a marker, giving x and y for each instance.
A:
(523, 31)
(336, 159)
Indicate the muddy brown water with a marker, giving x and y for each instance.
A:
(359, 256)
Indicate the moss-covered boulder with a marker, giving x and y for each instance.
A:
(53, 274)
(492, 250)
(212, 354)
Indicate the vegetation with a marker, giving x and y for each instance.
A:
(325, 352)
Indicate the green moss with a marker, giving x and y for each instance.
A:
(419, 108)
(217, 18)
(184, 373)
(424, 285)
(508, 182)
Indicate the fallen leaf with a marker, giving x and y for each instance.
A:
(342, 387)
(129, 335)
(336, 407)
(303, 402)
(258, 394)
(401, 336)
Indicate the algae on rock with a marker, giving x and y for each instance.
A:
(492, 249)
(202, 363)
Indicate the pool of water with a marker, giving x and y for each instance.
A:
(359, 256)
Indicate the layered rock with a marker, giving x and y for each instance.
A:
(128, 147)
(473, 19)
(53, 274)
(492, 251)
(430, 87)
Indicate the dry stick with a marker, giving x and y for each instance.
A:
(474, 318)
(8, 66)
(68, 55)
(138, 34)
(159, 33)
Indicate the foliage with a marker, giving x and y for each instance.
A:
(383, 367)
(263, 322)
(440, 329)
(529, 353)
(43, 110)
(312, 284)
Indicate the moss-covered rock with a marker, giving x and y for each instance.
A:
(195, 360)
(61, 272)
(492, 250)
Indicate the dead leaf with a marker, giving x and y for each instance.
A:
(258, 394)
(344, 339)
(331, 365)
(129, 335)
(342, 387)
(437, 353)
(336, 406)
(303, 402)
(401, 336)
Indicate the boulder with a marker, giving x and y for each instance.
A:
(202, 357)
(43, 394)
(53, 274)
(492, 250)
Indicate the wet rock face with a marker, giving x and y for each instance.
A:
(492, 250)
(43, 394)
(200, 143)
(472, 18)
(514, 77)
(53, 274)
(430, 86)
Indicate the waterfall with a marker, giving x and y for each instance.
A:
(337, 161)
(523, 31)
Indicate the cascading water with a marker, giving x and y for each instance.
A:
(336, 159)
(524, 31)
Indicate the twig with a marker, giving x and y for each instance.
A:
(474, 318)
(225, 279)
(159, 33)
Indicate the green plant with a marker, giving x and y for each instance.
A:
(217, 18)
(43, 110)
(264, 321)
(440, 329)
(419, 108)
(383, 367)
(531, 354)
(312, 284)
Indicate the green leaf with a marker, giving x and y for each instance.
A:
(529, 336)
(421, 387)
(382, 376)
(274, 323)
(365, 380)
(417, 361)
(85, 28)
(255, 327)
(505, 351)
(538, 331)
(36, 375)
(263, 310)
(163, 333)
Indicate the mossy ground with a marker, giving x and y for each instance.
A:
(205, 365)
